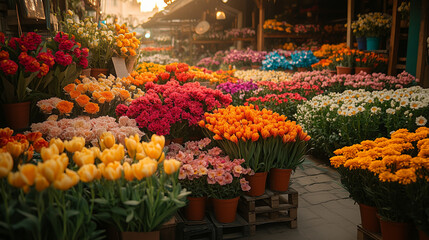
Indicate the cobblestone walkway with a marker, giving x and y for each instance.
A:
(325, 212)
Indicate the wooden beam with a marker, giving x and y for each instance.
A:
(350, 14)
(422, 66)
(394, 40)
(260, 41)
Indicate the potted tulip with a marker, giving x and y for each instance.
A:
(246, 133)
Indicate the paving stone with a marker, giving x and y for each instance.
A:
(321, 178)
(317, 187)
(303, 181)
(342, 195)
(329, 232)
(350, 213)
(298, 174)
(319, 197)
(312, 171)
(302, 203)
(337, 185)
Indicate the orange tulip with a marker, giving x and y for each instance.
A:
(128, 171)
(112, 171)
(6, 164)
(28, 173)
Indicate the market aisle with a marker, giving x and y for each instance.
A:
(325, 212)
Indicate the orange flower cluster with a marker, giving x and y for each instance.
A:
(244, 123)
(151, 67)
(126, 41)
(139, 79)
(392, 160)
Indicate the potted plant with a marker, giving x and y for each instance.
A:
(193, 174)
(358, 29)
(376, 25)
(344, 60)
(22, 62)
(246, 133)
(364, 62)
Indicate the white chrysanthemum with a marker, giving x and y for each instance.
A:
(421, 121)
(390, 111)
(375, 109)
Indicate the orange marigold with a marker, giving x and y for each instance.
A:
(70, 87)
(92, 108)
(65, 107)
(124, 94)
(74, 94)
(107, 95)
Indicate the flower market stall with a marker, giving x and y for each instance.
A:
(216, 124)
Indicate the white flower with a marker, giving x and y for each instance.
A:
(390, 111)
(69, 21)
(421, 121)
(375, 109)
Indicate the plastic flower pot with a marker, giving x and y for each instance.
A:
(361, 41)
(225, 209)
(368, 215)
(372, 43)
(395, 230)
(195, 209)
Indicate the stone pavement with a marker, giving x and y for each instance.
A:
(325, 212)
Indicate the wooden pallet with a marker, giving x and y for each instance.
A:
(237, 229)
(194, 230)
(271, 207)
(363, 234)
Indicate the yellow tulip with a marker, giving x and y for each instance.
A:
(59, 143)
(158, 139)
(62, 160)
(6, 164)
(140, 154)
(96, 151)
(28, 173)
(49, 152)
(161, 158)
(63, 182)
(73, 175)
(88, 173)
(152, 149)
(128, 171)
(144, 168)
(131, 145)
(41, 182)
(171, 166)
(86, 156)
(50, 169)
(15, 179)
(15, 149)
(119, 152)
(107, 140)
(112, 171)
(76, 144)
(107, 156)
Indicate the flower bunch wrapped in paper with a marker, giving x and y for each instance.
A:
(391, 174)
(263, 138)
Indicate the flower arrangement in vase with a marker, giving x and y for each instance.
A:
(257, 136)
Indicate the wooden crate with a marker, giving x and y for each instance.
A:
(363, 234)
(193, 230)
(272, 207)
(237, 229)
(168, 230)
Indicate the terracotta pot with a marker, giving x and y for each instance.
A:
(279, 179)
(368, 216)
(97, 71)
(86, 72)
(423, 235)
(395, 230)
(195, 209)
(177, 140)
(225, 209)
(302, 69)
(344, 70)
(154, 235)
(363, 69)
(17, 115)
(333, 72)
(257, 184)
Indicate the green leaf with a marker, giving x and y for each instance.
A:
(70, 213)
(101, 201)
(119, 211)
(132, 202)
(130, 216)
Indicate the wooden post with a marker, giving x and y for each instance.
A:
(350, 13)
(260, 42)
(394, 40)
(422, 71)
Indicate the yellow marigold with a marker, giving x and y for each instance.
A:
(406, 176)
(92, 108)
(364, 162)
(82, 100)
(65, 107)
(423, 153)
(377, 167)
(387, 177)
(352, 164)
(337, 161)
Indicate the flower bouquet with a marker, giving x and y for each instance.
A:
(173, 109)
(398, 173)
(259, 137)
